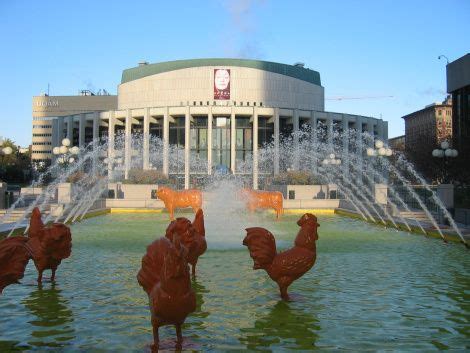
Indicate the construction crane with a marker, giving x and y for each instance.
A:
(340, 98)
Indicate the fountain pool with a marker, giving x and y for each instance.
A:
(371, 288)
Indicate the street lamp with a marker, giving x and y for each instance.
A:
(445, 57)
(331, 160)
(64, 153)
(445, 151)
(379, 150)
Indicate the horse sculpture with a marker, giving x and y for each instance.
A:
(179, 199)
(263, 199)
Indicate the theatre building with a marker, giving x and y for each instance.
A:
(222, 109)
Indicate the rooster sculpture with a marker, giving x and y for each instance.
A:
(47, 246)
(194, 239)
(164, 276)
(287, 266)
(14, 256)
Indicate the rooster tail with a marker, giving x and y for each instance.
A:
(262, 246)
(35, 224)
(198, 223)
(14, 256)
(149, 274)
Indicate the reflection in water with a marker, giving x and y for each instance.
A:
(291, 328)
(52, 326)
(197, 320)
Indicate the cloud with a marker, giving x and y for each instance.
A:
(242, 39)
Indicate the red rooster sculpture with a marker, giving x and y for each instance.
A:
(287, 266)
(49, 245)
(165, 278)
(14, 256)
(194, 239)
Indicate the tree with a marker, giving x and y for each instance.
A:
(15, 167)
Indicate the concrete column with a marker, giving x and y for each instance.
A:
(81, 130)
(146, 145)
(380, 133)
(64, 193)
(345, 145)
(70, 128)
(187, 136)
(61, 129)
(359, 142)
(3, 189)
(381, 194)
(370, 127)
(55, 133)
(166, 139)
(295, 122)
(276, 141)
(313, 140)
(111, 143)
(329, 133)
(127, 143)
(233, 136)
(255, 148)
(209, 142)
(96, 129)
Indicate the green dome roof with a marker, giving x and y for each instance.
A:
(297, 72)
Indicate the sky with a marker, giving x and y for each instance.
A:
(369, 49)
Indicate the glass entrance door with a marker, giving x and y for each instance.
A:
(221, 144)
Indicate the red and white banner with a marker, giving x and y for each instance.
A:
(221, 83)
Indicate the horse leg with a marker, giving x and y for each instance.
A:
(179, 336)
(53, 274)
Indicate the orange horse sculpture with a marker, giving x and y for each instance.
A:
(179, 199)
(264, 199)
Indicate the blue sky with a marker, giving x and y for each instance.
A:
(361, 48)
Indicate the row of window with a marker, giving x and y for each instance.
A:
(247, 104)
(42, 152)
(42, 135)
(42, 126)
(42, 143)
(448, 112)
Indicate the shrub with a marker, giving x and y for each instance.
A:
(140, 176)
(75, 177)
(296, 178)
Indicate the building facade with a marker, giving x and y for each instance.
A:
(397, 143)
(222, 109)
(428, 126)
(50, 115)
(458, 85)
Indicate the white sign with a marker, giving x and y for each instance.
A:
(48, 103)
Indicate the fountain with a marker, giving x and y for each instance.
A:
(351, 170)
(363, 271)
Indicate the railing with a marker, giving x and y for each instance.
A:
(422, 192)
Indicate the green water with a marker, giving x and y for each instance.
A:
(370, 289)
